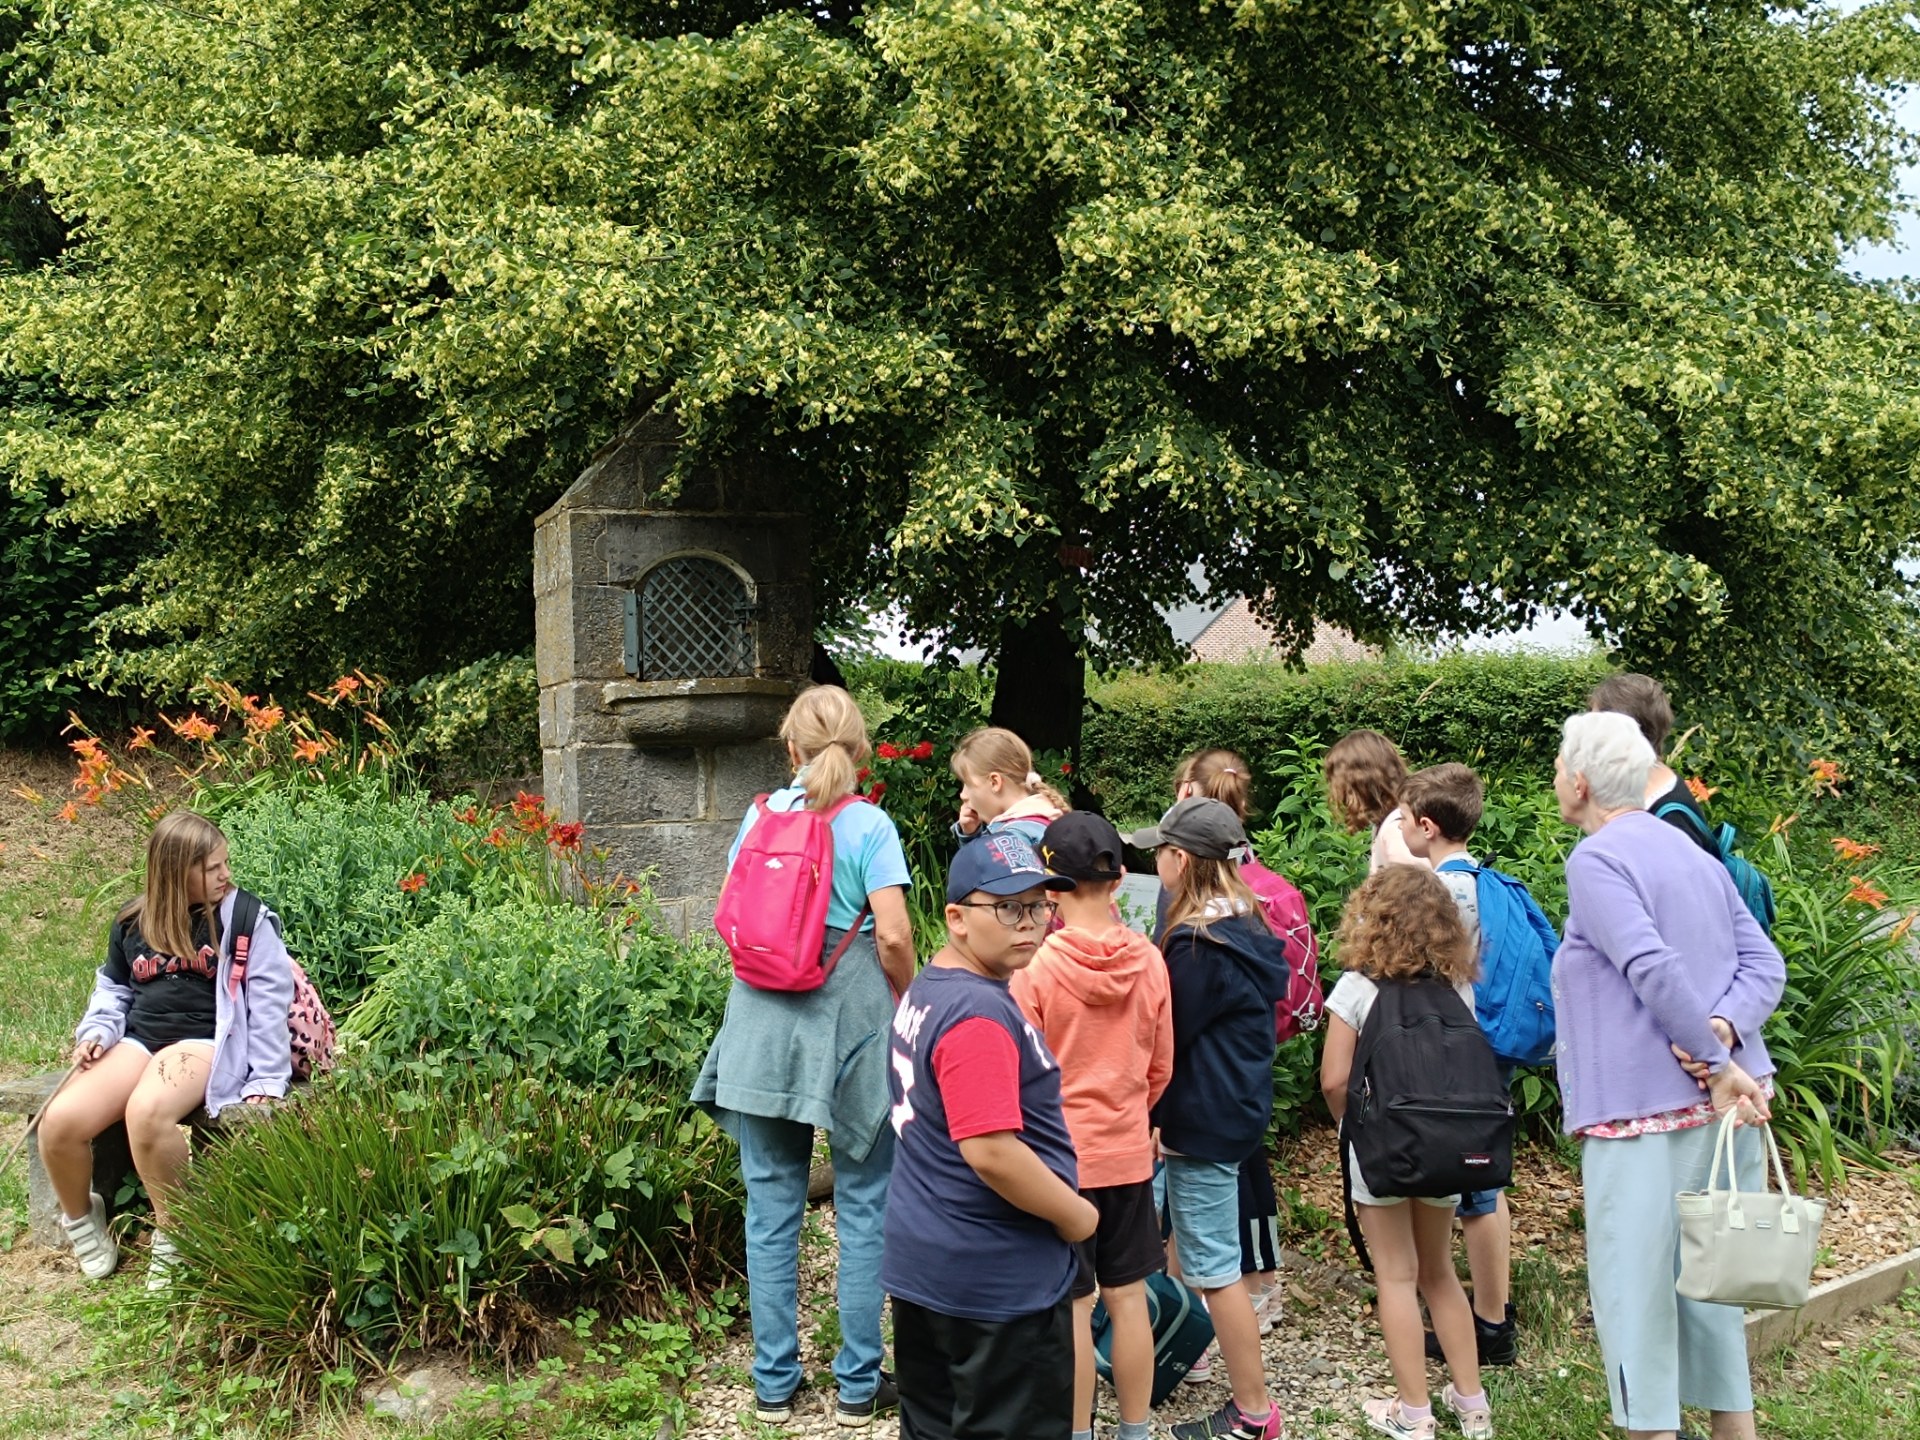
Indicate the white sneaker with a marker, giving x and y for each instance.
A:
(163, 1260)
(1267, 1308)
(1201, 1371)
(96, 1250)
(1476, 1423)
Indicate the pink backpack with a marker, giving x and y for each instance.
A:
(772, 915)
(309, 1026)
(1285, 907)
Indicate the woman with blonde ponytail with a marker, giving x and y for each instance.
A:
(786, 1063)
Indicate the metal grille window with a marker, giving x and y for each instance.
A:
(690, 619)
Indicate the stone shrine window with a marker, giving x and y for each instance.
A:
(690, 618)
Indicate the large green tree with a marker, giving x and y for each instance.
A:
(1414, 316)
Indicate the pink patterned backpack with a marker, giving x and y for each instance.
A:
(309, 1026)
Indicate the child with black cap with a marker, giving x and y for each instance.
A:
(1098, 993)
(983, 1214)
(1227, 971)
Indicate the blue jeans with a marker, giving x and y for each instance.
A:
(775, 1156)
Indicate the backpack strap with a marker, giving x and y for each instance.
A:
(246, 914)
(1694, 821)
(1346, 1195)
(853, 797)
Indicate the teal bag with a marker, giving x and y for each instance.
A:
(1755, 889)
(1182, 1330)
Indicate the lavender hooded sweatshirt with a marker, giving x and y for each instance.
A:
(1657, 942)
(252, 1053)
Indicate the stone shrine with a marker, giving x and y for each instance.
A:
(670, 636)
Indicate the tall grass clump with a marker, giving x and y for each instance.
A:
(453, 1211)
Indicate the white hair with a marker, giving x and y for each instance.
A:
(1608, 749)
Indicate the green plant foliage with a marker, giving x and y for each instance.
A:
(584, 995)
(330, 862)
(480, 722)
(454, 1210)
(1414, 318)
(1495, 712)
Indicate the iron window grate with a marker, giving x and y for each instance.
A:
(692, 620)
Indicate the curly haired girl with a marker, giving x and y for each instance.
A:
(1402, 925)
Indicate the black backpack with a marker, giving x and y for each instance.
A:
(1427, 1114)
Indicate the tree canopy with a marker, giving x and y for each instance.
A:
(1415, 317)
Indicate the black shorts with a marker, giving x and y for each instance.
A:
(1127, 1246)
(983, 1380)
(1259, 1216)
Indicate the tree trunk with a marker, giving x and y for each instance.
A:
(1041, 685)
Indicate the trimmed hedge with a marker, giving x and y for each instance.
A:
(1494, 712)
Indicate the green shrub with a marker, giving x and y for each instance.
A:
(584, 995)
(479, 723)
(1495, 712)
(330, 861)
(454, 1210)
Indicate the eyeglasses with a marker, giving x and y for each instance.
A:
(1011, 912)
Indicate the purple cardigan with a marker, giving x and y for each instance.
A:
(252, 1053)
(1657, 941)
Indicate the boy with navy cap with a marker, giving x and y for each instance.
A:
(982, 1214)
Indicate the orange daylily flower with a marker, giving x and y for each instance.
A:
(142, 738)
(344, 686)
(264, 718)
(308, 751)
(1826, 776)
(68, 812)
(194, 727)
(1700, 790)
(1864, 894)
(413, 883)
(1851, 850)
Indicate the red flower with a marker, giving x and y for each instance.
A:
(566, 837)
(468, 816)
(1066, 767)
(879, 789)
(864, 775)
(889, 751)
(496, 836)
(922, 751)
(413, 883)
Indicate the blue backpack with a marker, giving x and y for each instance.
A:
(1182, 1330)
(1755, 889)
(1513, 1000)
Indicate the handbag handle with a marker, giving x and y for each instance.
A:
(1723, 1150)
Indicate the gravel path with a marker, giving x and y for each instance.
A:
(1323, 1357)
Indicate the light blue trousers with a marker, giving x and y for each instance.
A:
(775, 1156)
(1661, 1349)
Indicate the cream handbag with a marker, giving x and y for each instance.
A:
(1754, 1249)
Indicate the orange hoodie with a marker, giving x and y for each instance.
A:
(1102, 1002)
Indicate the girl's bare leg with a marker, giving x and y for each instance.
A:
(173, 1086)
(92, 1101)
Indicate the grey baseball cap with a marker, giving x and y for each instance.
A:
(1199, 826)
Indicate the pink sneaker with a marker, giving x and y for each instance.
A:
(1476, 1421)
(1201, 1371)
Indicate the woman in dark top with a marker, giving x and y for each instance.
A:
(1643, 700)
(173, 1026)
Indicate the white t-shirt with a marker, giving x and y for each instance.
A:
(1464, 886)
(1352, 1000)
(1390, 845)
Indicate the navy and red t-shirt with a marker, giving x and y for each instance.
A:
(967, 1063)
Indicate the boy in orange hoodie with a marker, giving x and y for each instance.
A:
(1099, 996)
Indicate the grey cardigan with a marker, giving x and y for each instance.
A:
(818, 1057)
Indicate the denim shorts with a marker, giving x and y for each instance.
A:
(1203, 1201)
(1476, 1203)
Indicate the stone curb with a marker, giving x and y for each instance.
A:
(1771, 1330)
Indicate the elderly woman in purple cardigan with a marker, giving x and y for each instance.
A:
(1661, 988)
